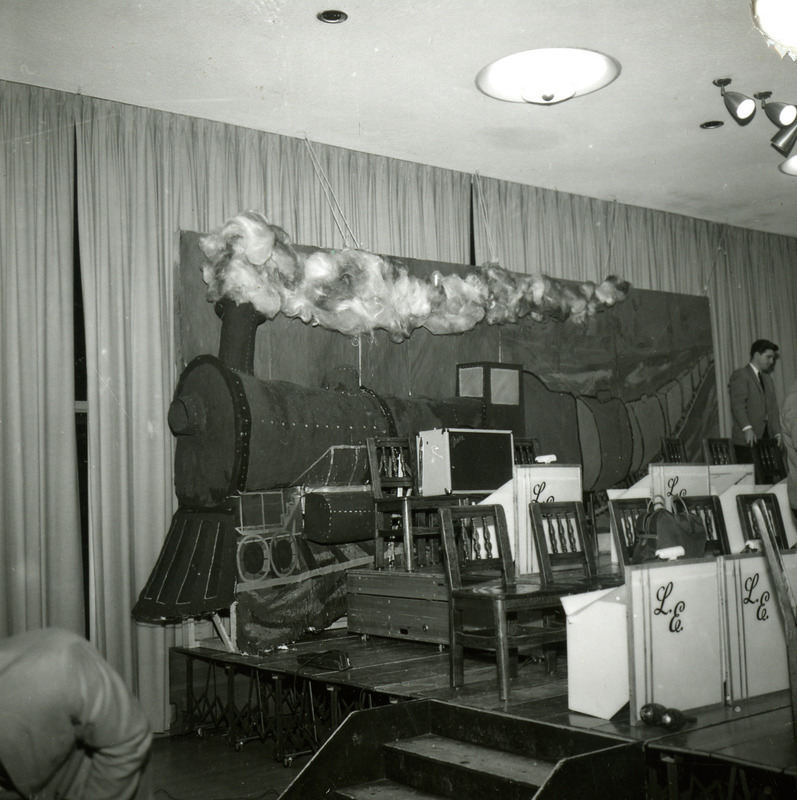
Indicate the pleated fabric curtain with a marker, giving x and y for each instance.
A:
(41, 581)
(749, 277)
(142, 177)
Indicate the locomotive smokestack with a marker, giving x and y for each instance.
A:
(239, 325)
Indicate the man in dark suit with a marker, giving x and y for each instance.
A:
(754, 407)
(69, 727)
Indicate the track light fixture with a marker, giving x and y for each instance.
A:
(740, 107)
(784, 115)
(783, 141)
(780, 114)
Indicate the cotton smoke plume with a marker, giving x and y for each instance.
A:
(356, 292)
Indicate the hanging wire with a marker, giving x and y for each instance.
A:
(485, 219)
(611, 241)
(713, 269)
(338, 216)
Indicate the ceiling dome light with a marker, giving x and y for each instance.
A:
(777, 20)
(548, 75)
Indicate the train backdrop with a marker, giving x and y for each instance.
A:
(271, 413)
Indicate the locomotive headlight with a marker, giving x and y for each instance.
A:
(187, 415)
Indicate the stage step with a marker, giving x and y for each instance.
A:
(384, 790)
(461, 770)
(427, 750)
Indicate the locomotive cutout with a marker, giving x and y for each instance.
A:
(601, 395)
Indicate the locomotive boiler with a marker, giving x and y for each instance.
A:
(249, 453)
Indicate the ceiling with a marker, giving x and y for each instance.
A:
(397, 79)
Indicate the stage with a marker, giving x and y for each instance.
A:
(297, 696)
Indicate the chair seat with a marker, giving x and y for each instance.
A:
(525, 590)
(530, 637)
(418, 502)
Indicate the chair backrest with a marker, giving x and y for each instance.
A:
(709, 509)
(392, 467)
(562, 540)
(744, 504)
(623, 515)
(525, 450)
(718, 451)
(768, 461)
(476, 543)
(673, 450)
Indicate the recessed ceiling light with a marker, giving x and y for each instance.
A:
(332, 16)
(711, 124)
(548, 75)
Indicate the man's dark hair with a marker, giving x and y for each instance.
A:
(761, 346)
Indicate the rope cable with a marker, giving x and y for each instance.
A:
(337, 212)
(485, 219)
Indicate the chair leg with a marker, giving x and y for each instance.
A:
(456, 653)
(550, 659)
(379, 543)
(501, 647)
(514, 662)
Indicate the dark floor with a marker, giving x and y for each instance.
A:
(206, 767)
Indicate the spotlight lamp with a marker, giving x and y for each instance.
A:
(789, 166)
(780, 114)
(740, 107)
(783, 141)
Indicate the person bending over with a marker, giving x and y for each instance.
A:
(69, 727)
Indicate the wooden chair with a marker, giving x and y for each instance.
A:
(709, 509)
(406, 525)
(718, 451)
(475, 540)
(566, 550)
(525, 450)
(768, 462)
(623, 515)
(750, 525)
(673, 450)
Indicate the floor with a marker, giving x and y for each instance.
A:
(206, 767)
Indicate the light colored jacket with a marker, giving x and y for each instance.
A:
(69, 727)
(788, 423)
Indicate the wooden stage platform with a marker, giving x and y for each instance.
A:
(292, 696)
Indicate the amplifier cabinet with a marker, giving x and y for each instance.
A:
(403, 605)
(675, 634)
(398, 604)
(464, 460)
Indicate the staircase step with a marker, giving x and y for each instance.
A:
(462, 770)
(384, 790)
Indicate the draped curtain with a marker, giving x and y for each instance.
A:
(749, 277)
(142, 176)
(41, 582)
(132, 178)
